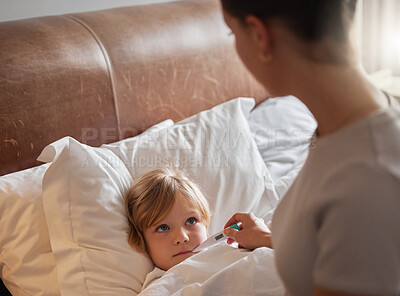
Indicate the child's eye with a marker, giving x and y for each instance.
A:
(162, 228)
(191, 221)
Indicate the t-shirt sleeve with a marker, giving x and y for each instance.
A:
(358, 234)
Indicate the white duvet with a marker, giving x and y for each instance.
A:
(221, 270)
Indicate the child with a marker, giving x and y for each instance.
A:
(168, 217)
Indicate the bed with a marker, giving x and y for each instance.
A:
(100, 97)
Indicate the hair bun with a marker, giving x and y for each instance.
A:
(309, 19)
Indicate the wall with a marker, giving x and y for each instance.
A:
(19, 9)
(381, 39)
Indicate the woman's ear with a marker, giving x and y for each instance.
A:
(260, 34)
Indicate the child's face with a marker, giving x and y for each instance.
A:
(172, 240)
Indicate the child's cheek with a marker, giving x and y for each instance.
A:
(203, 233)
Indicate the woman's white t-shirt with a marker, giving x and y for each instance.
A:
(338, 226)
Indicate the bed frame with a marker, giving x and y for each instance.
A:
(107, 75)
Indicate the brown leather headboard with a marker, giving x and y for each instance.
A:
(107, 75)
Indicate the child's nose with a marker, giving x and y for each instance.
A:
(181, 237)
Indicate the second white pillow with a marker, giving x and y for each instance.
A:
(216, 149)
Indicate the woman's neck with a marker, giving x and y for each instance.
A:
(337, 95)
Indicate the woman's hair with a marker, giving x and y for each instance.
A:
(309, 19)
(152, 196)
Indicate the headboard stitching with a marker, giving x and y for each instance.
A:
(108, 63)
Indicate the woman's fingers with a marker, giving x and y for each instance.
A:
(254, 232)
(231, 221)
(230, 241)
(240, 217)
(232, 233)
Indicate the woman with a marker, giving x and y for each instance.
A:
(337, 230)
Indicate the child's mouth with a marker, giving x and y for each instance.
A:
(183, 253)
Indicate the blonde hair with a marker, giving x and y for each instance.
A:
(152, 196)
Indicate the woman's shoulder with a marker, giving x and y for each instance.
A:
(359, 168)
(385, 138)
(372, 143)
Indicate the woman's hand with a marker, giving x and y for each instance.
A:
(253, 234)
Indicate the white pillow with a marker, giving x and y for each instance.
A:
(216, 149)
(27, 264)
(282, 128)
(82, 196)
(83, 192)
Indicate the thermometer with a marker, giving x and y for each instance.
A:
(215, 239)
